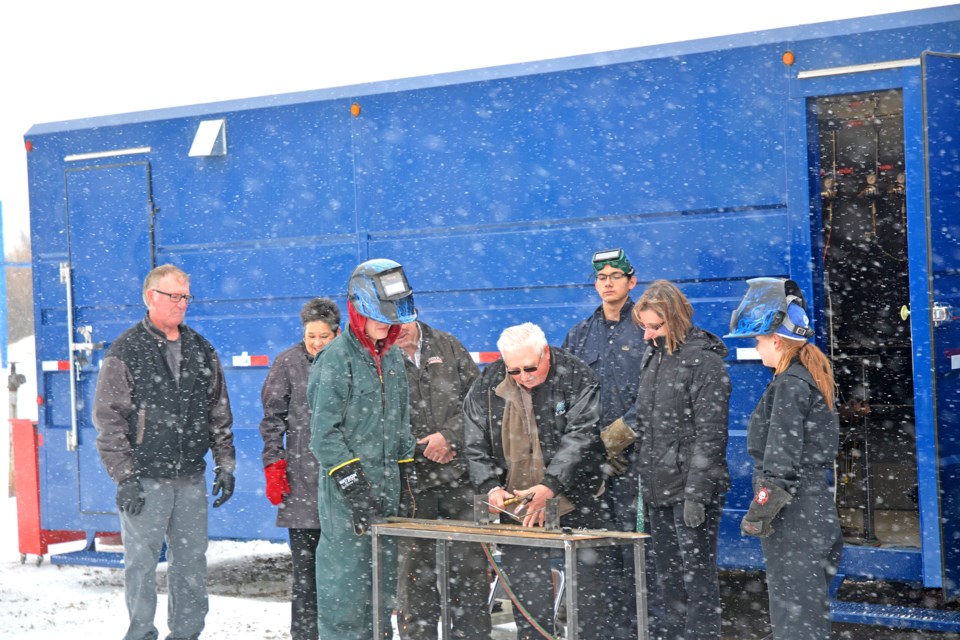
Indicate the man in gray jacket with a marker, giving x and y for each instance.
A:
(440, 372)
(161, 403)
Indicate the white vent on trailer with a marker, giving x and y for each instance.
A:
(210, 139)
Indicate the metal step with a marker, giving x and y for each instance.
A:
(895, 616)
(90, 558)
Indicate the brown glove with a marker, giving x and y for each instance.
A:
(617, 437)
(616, 465)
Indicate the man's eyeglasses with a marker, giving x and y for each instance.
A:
(613, 277)
(176, 297)
(519, 370)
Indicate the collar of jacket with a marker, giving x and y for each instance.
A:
(156, 333)
(658, 344)
(626, 312)
(305, 353)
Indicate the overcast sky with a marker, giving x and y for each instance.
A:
(62, 59)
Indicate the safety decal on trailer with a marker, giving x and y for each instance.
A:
(55, 365)
(485, 357)
(246, 360)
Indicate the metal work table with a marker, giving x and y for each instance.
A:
(446, 531)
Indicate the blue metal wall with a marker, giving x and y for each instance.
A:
(492, 189)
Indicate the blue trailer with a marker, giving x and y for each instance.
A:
(826, 153)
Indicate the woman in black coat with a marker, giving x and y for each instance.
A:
(682, 405)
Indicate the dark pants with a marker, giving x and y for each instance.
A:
(529, 573)
(686, 559)
(801, 557)
(620, 592)
(468, 586)
(303, 602)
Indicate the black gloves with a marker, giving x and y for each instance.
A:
(130, 492)
(408, 489)
(357, 491)
(130, 495)
(693, 513)
(223, 483)
(763, 509)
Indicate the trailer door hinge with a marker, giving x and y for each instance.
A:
(940, 314)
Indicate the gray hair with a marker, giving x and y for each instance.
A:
(158, 274)
(521, 336)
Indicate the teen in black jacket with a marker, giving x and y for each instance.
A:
(682, 405)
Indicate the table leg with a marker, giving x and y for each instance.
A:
(377, 590)
(570, 565)
(443, 569)
(639, 569)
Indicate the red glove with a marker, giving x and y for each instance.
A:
(277, 485)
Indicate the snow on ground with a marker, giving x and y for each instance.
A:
(248, 583)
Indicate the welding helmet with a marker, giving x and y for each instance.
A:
(379, 290)
(771, 305)
(616, 258)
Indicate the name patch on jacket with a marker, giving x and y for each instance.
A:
(435, 360)
(561, 408)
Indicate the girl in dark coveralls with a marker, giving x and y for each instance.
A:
(793, 437)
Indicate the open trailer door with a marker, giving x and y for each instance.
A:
(941, 130)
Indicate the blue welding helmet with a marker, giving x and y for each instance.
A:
(379, 290)
(771, 305)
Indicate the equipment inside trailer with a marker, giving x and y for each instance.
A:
(866, 293)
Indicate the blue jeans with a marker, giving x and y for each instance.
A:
(174, 510)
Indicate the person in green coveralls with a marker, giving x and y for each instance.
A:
(360, 435)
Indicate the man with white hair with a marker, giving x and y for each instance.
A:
(530, 431)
